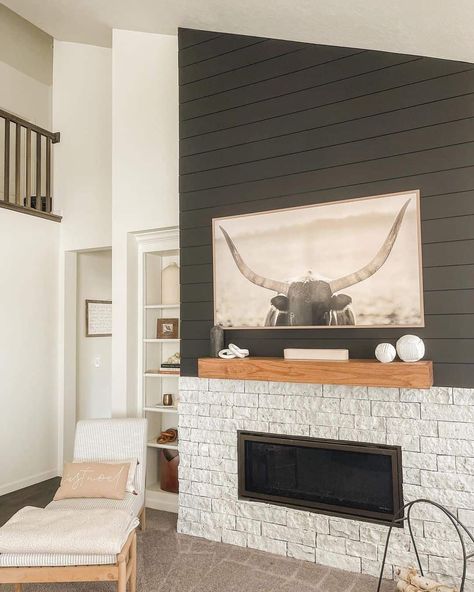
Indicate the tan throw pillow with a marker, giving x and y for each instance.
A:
(88, 479)
(130, 487)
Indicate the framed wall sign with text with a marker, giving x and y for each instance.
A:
(98, 318)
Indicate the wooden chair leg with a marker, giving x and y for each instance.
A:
(142, 518)
(133, 559)
(18, 587)
(122, 577)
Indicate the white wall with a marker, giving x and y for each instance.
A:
(26, 69)
(25, 96)
(82, 112)
(28, 280)
(144, 180)
(28, 349)
(83, 159)
(93, 391)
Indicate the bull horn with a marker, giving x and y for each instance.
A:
(279, 287)
(377, 262)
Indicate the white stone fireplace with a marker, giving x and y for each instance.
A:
(434, 427)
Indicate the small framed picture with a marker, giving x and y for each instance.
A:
(98, 318)
(167, 328)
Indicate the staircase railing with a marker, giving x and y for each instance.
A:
(27, 167)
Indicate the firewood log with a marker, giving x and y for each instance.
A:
(406, 573)
(411, 577)
(403, 586)
(430, 585)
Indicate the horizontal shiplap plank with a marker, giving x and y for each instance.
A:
(374, 169)
(195, 329)
(448, 229)
(331, 64)
(452, 109)
(195, 274)
(449, 301)
(195, 255)
(457, 252)
(417, 140)
(456, 277)
(194, 348)
(274, 59)
(430, 184)
(371, 81)
(460, 375)
(213, 48)
(447, 205)
(448, 326)
(444, 302)
(424, 92)
(197, 311)
(195, 237)
(230, 70)
(197, 293)
(189, 366)
(192, 37)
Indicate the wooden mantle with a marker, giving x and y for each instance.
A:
(350, 372)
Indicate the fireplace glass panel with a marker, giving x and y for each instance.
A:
(344, 478)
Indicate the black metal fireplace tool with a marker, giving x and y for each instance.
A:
(400, 517)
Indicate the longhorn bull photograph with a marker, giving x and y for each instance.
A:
(353, 263)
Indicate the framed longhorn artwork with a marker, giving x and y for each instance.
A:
(352, 263)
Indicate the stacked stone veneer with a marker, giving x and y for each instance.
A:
(434, 427)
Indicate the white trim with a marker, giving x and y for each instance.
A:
(67, 328)
(164, 446)
(160, 409)
(157, 499)
(166, 239)
(153, 242)
(32, 480)
(161, 306)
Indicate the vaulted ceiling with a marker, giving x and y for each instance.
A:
(438, 28)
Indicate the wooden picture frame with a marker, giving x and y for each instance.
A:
(167, 328)
(98, 318)
(352, 263)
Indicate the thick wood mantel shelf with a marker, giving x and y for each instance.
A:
(350, 372)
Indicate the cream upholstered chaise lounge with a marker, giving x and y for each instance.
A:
(95, 440)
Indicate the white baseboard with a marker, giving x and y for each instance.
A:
(32, 480)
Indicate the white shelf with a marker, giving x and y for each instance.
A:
(156, 250)
(162, 409)
(168, 446)
(160, 375)
(161, 306)
(161, 340)
(157, 499)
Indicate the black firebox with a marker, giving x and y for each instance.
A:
(350, 479)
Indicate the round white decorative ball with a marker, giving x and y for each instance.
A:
(385, 352)
(410, 348)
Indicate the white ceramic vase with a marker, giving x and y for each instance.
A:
(385, 352)
(410, 348)
(170, 284)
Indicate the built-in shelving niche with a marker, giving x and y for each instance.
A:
(156, 250)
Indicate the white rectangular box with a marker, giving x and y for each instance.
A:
(316, 354)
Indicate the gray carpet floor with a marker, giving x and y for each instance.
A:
(171, 562)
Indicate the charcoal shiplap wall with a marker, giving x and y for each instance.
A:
(268, 124)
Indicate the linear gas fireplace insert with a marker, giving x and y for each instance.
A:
(350, 479)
